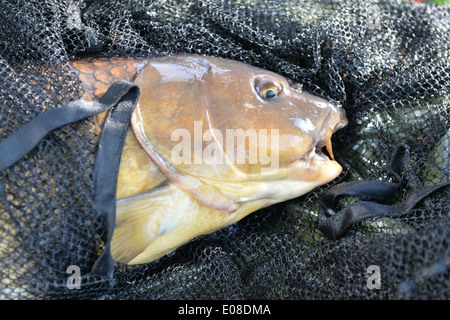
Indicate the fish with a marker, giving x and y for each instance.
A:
(211, 140)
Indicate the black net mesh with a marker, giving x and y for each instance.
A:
(386, 62)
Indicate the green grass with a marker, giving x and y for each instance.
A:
(440, 1)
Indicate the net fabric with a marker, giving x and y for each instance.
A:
(386, 62)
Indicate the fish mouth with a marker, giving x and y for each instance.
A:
(316, 166)
(334, 121)
(317, 151)
(316, 155)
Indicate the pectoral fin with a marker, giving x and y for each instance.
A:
(140, 220)
(153, 224)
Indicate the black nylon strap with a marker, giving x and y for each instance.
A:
(334, 224)
(120, 99)
(30, 134)
(123, 96)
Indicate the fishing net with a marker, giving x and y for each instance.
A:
(386, 62)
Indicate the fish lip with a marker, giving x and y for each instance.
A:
(328, 128)
(315, 153)
(335, 120)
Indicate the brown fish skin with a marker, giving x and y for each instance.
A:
(200, 198)
(97, 75)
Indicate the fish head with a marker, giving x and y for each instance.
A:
(243, 131)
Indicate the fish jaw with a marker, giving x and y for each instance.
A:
(282, 184)
(318, 167)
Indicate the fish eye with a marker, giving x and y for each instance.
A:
(267, 87)
(269, 93)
